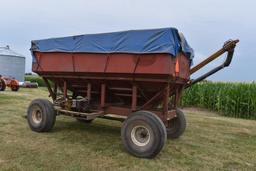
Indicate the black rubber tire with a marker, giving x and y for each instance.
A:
(15, 88)
(2, 85)
(177, 125)
(84, 121)
(155, 128)
(48, 115)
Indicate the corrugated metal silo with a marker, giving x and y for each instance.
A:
(12, 64)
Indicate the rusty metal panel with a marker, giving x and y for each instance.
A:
(121, 63)
(90, 62)
(155, 63)
(138, 65)
(184, 67)
(55, 62)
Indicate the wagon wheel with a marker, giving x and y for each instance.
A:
(2, 85)
(177, 125)
(15, 88)
(143, 134)
(41, 115)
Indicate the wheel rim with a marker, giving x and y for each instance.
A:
(37, 115)
(140, 135)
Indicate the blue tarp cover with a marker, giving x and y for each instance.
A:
(164, 40)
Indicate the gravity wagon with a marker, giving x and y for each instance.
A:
(134, 76)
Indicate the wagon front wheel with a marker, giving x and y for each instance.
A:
(177, 125)
(41, 115)
(143, 134)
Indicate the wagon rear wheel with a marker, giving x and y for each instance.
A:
(2, 85)
(41, 115)
(177, 125)
(143, 134)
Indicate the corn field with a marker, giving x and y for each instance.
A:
(230, 99)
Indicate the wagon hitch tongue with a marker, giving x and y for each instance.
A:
(229, 47)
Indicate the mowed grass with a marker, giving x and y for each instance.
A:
(211, 142)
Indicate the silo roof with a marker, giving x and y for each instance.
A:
(6, 51)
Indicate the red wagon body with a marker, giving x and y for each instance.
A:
(118, 75)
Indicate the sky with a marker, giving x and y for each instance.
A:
(206, 24)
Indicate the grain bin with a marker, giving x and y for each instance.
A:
(12, 64)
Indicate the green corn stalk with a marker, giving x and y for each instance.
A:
(230, 99)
